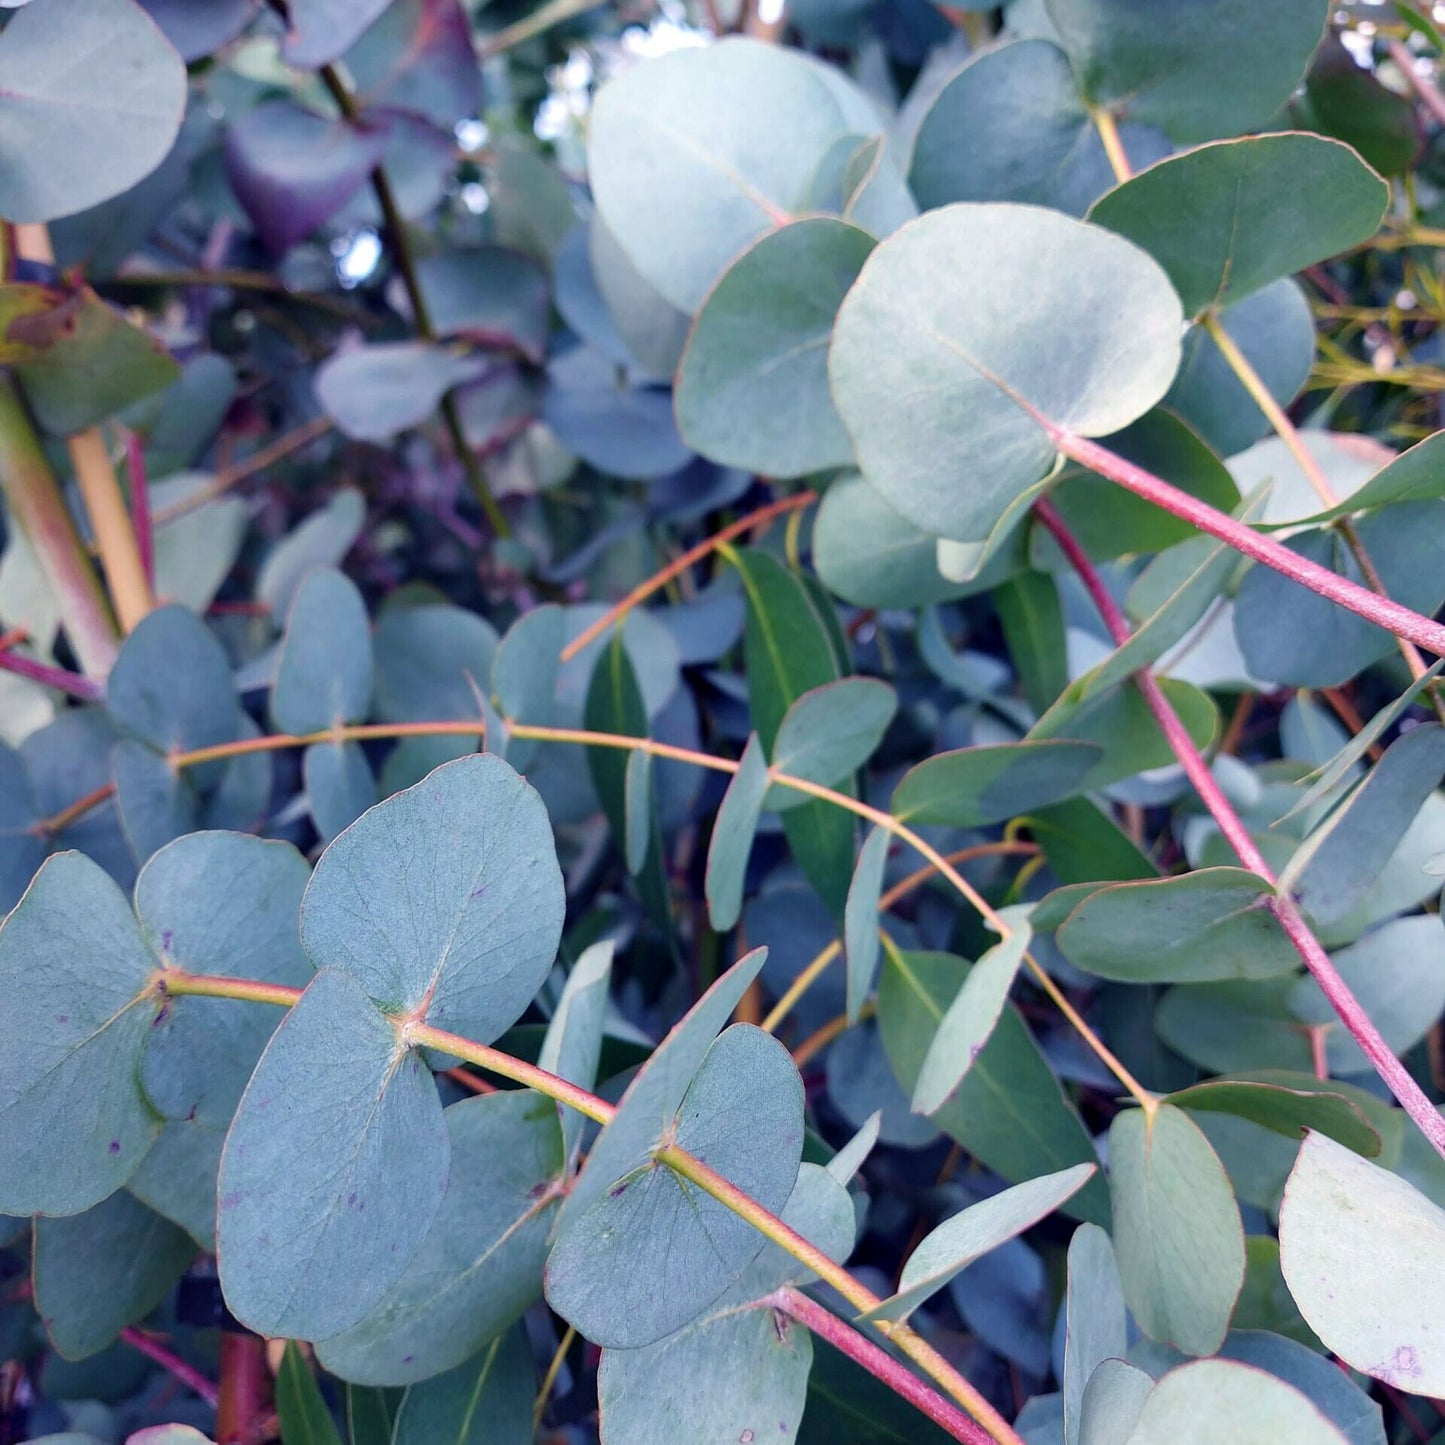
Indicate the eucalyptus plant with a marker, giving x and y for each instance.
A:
(720, 726)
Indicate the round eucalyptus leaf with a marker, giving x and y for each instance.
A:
(940, 385)
(445, 899)
(655, 1250)
(865, 553)
(1096, 1322)
(339, 784)
(1397, 972)
(480, 1265)
(1226, 219)
(1176, 1228)
(492, 297)
(322, 540)
(610, 421)
(374, 391)
(334, 1169)
(1363, 1254)
(75, 969)
(292, 170)
(752, 391)
(197, 30)
(97, 1272)
(830, 732)
(323, 676)
(1196, 68)
(1010, 126)
(740, 1363)
(1213, 1400)
(686, 163)
(320, 30)
(91, 99)
(171, 686)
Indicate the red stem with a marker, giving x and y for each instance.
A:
(186, 1374)
(140, 506)
(879, 1363)
(1346, 1006)
(1382, 611)
(87, 689)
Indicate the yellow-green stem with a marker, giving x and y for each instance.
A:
(110, 520)
(37, 509)
(176, 983)
(1113, 143)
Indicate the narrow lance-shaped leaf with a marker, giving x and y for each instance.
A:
(301, 1411)
(969, 1023)
(573, 1043)
(732, 836)
(1096, 1323)
(957, 1242)
(791, 646)
(1336, 865)
(860, 919)
(486, 1400)
(1282, 1109)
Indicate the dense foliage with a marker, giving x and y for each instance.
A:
(952, 953)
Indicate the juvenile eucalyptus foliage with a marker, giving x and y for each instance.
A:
(955, 954)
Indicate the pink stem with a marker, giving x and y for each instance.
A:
(1346, 1006)
(879, 1363)
(140, 506)
(186, 1374)
(85, 688)
(1382, 611)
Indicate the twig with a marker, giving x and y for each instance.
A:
(1346, 1006)
(186, 1374)
(878, 1362)
(1424, 88)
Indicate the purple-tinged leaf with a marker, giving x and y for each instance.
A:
(292, 169)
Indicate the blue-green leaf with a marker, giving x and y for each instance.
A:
(732, 836)
(860, 918)
(966, 1028)
(1176, 1229)
(323, 676)
(445, 899)
(480, 1265)
(74, 970)
(316, 1222)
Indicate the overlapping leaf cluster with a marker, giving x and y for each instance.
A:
(374, 893)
